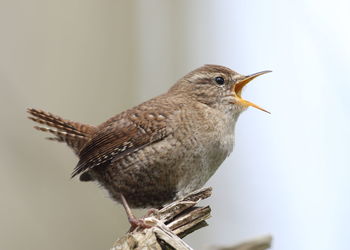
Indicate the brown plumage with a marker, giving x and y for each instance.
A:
(161, 149)
(75, 134)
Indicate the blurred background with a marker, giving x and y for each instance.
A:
(87, 60)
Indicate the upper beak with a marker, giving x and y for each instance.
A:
(241, 83)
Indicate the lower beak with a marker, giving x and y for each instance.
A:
(238, 87)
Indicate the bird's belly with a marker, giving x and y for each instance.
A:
(204, 164)
(161, 173)
(147, 178)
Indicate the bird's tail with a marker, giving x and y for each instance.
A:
(73, 133)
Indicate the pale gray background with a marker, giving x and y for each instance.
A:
(87, 60)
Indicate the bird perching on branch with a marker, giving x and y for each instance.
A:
(164, 148)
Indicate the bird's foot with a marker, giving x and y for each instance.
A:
(138, 224)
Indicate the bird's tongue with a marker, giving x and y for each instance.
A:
(238, 87)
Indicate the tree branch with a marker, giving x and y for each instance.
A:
(175, 221)
(260, 243)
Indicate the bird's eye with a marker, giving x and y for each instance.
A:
(220, 80)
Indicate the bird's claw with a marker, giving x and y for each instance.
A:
(138, 224)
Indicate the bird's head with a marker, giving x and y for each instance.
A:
(218, 87)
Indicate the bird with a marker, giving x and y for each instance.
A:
(162, 149)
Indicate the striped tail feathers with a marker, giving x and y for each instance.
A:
(73, 133)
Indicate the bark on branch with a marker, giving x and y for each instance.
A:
(173, 222)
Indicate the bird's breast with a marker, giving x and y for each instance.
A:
(209, 142)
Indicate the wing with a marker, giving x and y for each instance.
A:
(121, 136)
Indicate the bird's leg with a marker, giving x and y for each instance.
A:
(135, 222)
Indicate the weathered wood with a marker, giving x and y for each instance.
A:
(260, 243)
(176, 220)
(169, 224)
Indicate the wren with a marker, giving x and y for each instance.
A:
(164, 148)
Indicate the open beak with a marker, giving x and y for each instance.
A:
(238, 87)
